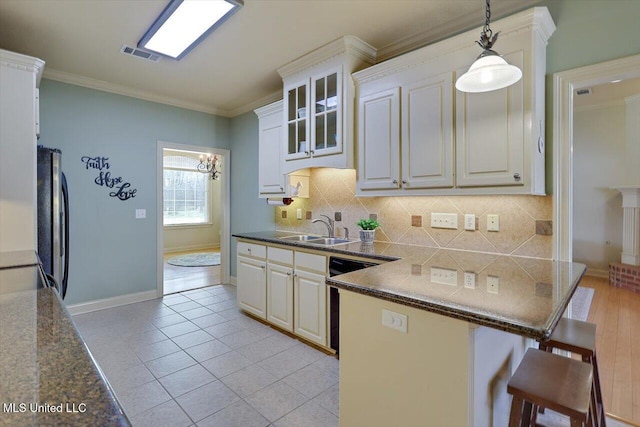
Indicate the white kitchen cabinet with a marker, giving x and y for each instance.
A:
(271, 178)
(498, 143)
(310, 297)
(405, 136)
(280, 287)
(252, 279)
(272, 181)
(318, 104)
(379, 140)
(490, 134)
(19, 126)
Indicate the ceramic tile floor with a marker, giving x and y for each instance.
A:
(194, 359)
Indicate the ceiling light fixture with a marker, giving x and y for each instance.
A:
(489, 71)
(185, 23)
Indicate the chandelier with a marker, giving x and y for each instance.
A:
(212, 166)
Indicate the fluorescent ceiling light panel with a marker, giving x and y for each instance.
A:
(185, 23)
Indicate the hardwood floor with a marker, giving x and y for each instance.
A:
(178, 279)
(616, 312)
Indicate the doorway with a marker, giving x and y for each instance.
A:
(193, 219)
(589, 158)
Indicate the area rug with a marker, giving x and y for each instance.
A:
(581, 303)
(199, 259)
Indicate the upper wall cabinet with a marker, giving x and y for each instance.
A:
(418, 135)
(318, 104)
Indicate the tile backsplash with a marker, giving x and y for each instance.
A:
(407, 219)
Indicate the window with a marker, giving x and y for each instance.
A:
(185, 191)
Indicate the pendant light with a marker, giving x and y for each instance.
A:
(489, 71)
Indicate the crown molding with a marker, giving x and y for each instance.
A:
(274, 107)
(349, 45)
(533, 19)
(22, 62)
(101, 85)
(251, 106)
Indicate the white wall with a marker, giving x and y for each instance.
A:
(599, 159)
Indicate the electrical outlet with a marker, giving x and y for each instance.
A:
(394, 320)
(493, 284)
(444, 276)
(493, 222)
(470, 222)
(469, 279)
(444, 220)
(299, 213)
(141, 213)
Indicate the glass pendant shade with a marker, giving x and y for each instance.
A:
(489, 72)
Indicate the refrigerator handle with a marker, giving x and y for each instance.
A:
(65, 239)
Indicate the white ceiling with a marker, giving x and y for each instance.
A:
(234, 70)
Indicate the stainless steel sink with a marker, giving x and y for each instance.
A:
(301, 238)
(328, 241)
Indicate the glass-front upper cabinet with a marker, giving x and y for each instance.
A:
(298, 144)
(327, 103)
(318, 106)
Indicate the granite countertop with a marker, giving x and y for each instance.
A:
(529, 298)
(47, 375)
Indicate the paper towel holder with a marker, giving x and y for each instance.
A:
(285, 201)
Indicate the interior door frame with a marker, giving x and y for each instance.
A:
(564, 85)
(225, 235)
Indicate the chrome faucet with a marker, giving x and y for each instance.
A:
(328, 223)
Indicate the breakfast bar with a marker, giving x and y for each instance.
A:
(433, 338)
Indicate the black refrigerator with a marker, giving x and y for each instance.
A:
(53, 218)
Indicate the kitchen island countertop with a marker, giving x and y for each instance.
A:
(47, 374)
(520, 295)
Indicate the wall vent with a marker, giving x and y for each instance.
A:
(139, 53)
(585, 91)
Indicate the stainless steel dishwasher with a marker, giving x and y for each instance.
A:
(339, 266)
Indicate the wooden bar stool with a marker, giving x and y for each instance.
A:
(559, 383)
(579, 337)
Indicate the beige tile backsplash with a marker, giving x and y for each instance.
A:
(333, 190)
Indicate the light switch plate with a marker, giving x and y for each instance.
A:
(299, 213)
(141, 213)
(470, 222)
(394, 320)
(444, 220)
(444, 276)
(469, 279)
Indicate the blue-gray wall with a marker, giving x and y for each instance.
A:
(248, 213)
(111, 252)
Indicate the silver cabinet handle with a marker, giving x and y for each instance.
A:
(288, 273)
(263, 267)
(516, 176)
(312, 152)
(306, 152)
(395, 181)
(404, 181)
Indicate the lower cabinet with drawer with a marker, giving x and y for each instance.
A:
(286, 288)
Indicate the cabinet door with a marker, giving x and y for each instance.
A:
(326, 114)
(296, 120)
(252, 286)
(310, 307)
(280, 296)
(427, 133)
(490, 134)
(379, 140)
(271, 179)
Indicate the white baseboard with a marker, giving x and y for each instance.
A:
(233, 280)
(593, 272)
(101, 304)
(190, 248)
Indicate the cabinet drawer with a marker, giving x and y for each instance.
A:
(311, 262)
(281, 256)
(252, 250)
